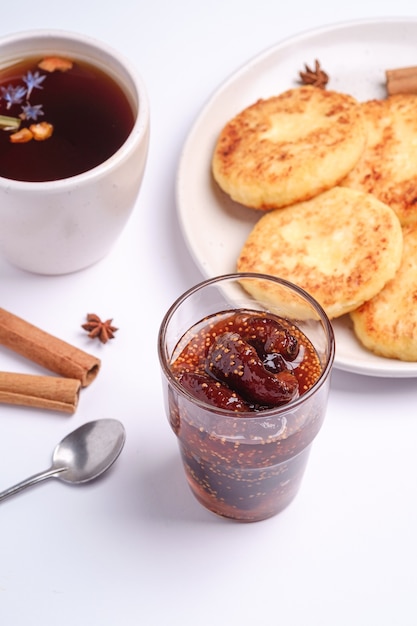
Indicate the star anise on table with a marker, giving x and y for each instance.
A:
(315, 77)
(98, 329)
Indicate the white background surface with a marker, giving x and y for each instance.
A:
(135, 548)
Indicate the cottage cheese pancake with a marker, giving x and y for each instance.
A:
(387, 324)
(342, 247)
(388, 166)
(289, 148)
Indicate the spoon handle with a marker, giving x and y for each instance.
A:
(32, 480)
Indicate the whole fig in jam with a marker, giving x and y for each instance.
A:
(236, 363)
(268, 336)
(205, 388)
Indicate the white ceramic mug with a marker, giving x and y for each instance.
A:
(65, 225)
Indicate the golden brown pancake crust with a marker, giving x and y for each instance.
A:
(388, 166)
(341, 247)
(289, 148)
(387, 324)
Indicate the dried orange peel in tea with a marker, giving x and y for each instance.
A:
(54, 64)
(38, 132)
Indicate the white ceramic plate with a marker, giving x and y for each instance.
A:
(355, 55)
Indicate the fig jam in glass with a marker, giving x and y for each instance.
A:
(246, 396)
(89, 112)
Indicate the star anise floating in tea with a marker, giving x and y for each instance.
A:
(315, 77)
(97, 329)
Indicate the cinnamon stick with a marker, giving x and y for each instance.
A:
(48, 351)
(43, 392)
(401, 80)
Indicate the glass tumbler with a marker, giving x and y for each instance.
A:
(244, 464)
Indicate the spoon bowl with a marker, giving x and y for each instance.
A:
(84, 454)
(89, 450)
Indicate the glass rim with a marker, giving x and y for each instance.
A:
(265, 413)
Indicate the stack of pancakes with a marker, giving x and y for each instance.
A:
(336, 182)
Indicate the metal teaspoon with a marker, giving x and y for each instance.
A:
(82, 455)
